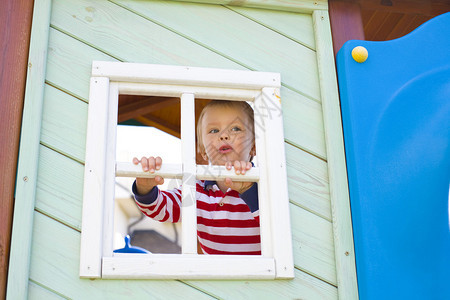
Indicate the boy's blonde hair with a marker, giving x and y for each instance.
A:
(244, 106)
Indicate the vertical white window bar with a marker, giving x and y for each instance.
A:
(279, 210)
(94, 180)
(260, 116)
(189, 203)
(110, 170)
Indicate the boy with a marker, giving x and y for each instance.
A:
(227, 211)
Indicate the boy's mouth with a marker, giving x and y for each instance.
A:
(225, 149)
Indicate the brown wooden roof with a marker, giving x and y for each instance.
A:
(390, 19)
(160, 112)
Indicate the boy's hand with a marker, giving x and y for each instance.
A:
(149, 164)
(240, 167)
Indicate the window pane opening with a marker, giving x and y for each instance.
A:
(225, 136)
(147, 126)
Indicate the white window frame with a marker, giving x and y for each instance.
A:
(109, 79)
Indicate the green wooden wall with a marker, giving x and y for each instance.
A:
(174, 33)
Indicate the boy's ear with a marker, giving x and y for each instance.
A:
(203, 154)
(253, 151)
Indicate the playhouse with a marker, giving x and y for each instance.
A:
(330, 237)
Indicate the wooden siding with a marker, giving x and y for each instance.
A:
(337, 170)
(28, 155)
(14, 39)
(177, 33)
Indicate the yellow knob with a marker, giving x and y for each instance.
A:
(360, 54)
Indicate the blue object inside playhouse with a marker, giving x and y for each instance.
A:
(396, 121)
(128, 248)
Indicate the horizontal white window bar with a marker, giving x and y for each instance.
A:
(207, 172)
(204, 172)
(128, 169)
(163, 74)
(188, 266)
(164, 90)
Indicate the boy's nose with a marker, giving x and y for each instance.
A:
(224, 137)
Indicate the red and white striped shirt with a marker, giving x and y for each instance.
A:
(225, 222)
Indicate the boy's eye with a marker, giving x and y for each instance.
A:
(214, 131)
(236, 128)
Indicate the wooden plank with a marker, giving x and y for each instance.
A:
(60, 187)
(263, 185)
(189, 202)
(265, 50)
(295, 26)
(346, 22)
(303, 286)
(308, 182)
(110, 169)
(69, 64)
(94, 179)
(305, 6)
(38, 292)
(216, 173)
(277, 181)
(312, 239)
(390, 22)
(365, 15)
(28, 154)
(161, 124)
(374, 24)
(64, 123)
(176, 90)
(190, 266)
(143, 106)
(55, 262)
(107, 27)
(128, 169)
(417, 21)
(399, 30)
(415, 7)
(175, 171)
(340, 205)
(185, 75)
(15, 29)
(303, 126)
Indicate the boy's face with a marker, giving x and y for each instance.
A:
(227, 135)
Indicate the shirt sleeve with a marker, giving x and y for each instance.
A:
(148, 198)
(163, 206)
(250, 197)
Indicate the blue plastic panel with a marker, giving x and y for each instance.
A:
(396, 118)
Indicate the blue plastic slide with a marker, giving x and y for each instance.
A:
(396, 118)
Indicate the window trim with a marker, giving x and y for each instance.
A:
(109, 79)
